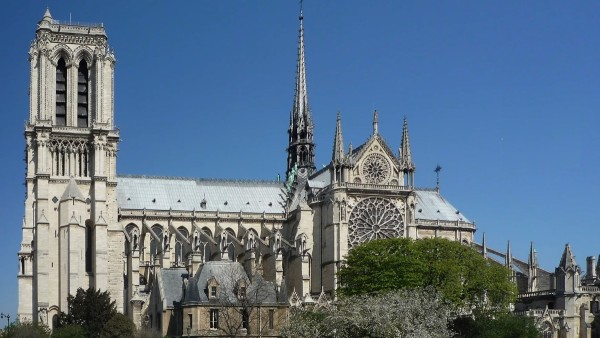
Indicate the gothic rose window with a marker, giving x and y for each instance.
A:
(374, 218)
(376, 169)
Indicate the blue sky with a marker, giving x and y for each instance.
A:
(503, 95)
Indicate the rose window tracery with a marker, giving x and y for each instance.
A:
(376, 169)
(374, 218)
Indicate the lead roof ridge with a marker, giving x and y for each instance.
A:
(200, 179)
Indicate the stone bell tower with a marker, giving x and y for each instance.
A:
(71, 147)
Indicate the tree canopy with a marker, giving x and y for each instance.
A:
(462, 275)
(402, 313)
(93, 314)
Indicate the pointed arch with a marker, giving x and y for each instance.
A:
(61, 85)
(83, 86)
(83, 53)
(61, 51)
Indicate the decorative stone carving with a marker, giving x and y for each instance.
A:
(374, 218)
(376, 169)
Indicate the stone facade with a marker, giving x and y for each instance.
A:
(147, 240)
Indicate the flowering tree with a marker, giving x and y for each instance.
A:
(403, 313)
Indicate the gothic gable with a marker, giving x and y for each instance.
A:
(374, 163)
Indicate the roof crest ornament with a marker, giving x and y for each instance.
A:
(375, 123)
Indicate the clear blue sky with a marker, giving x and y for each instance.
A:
(503, 95)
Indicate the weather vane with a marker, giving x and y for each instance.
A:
(437, 170)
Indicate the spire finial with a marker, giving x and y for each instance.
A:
(47, 16)
(301, 11)
(375, 123)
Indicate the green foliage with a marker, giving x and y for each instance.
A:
(147, 333)
(496, 325)
(458, 272)
(25, 330)
(119, 326)
(90, 309)
(69, 331)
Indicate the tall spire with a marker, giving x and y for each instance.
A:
(338, 142)
(484, 247)
(405, 156)
(508, 259)
(301, 149)
(532, 270)
(532, 261)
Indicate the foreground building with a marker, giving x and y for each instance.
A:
(204, 256)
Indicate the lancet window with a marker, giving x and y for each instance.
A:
(82, 94)
(61, 93)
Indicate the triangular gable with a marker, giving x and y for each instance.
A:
(360, 151)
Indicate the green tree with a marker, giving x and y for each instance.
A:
(69, 331)
(25, 330)
(91, 309)
(119, 326)
(457, 271)
(495, 325)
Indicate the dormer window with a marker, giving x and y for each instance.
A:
(61, 93)
(213, 288)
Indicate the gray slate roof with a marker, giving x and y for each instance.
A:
(163, 193)
(227, 273)
(432, 206)
(172, 285)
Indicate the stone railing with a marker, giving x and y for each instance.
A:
(537, 294)
(539, 312)
(590, 288)
(442, 223)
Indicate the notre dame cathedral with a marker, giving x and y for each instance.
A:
(171, 251)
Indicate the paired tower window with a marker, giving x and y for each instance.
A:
(82, 94)
(62, 93)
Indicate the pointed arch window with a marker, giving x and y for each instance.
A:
(82, 94)
(61, 93)
(89, 242)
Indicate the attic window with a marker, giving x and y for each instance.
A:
(178, 201)
(129, 198)
(247, 203)
(225, 203)
(203, 204)
(213, 292)
(270, 204)
(420, 210)
(154, 200)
